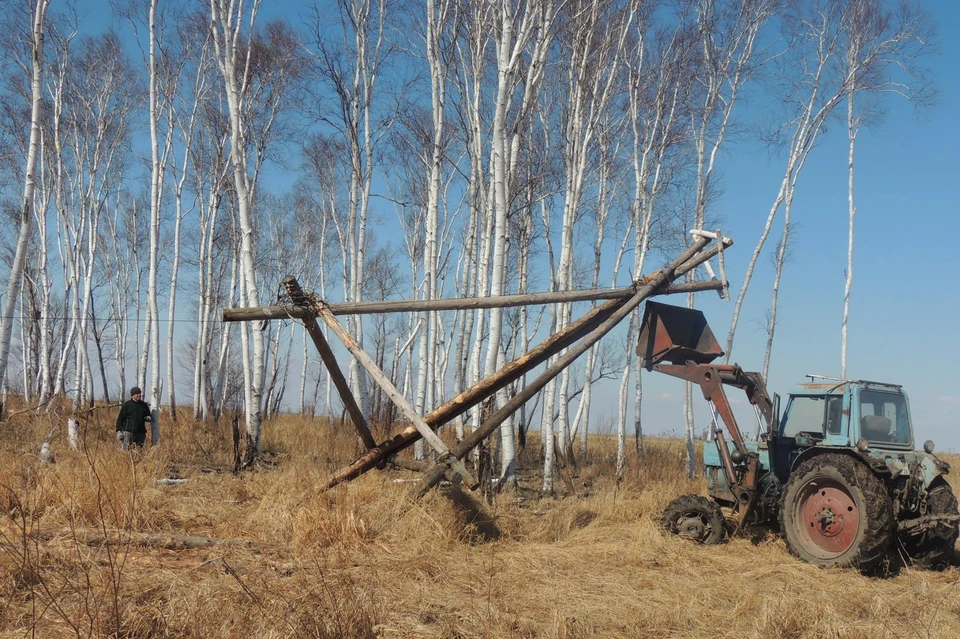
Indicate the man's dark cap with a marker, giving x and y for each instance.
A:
(135, 391)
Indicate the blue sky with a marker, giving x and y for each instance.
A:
(904, 300)
(905, 303)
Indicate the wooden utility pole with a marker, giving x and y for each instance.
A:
(467, 303)
(300, 300)
(576, 338)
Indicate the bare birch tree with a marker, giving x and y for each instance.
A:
(521, 39)
(656, 103)
(26, 214)
(234, 52)
(93, 104)
(159, 159)
(351, 64)
(805, 69)
(884, 46)
(815, 78)
(211, 171)
(727, 35)
(472, 63)
(592, 40)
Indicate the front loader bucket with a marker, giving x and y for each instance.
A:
(677, 335)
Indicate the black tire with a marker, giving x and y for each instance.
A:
(695, 518)
(937, 547)
(837, 512)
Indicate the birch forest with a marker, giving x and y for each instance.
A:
(163, 160)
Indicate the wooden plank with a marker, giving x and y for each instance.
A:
(333, 368)
(500, 301)
(396, 396)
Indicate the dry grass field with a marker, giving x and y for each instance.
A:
(89, 547)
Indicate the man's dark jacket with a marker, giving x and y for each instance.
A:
(132, 416)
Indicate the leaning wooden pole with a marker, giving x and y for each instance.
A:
(677, 268)
(381, 379)
(587, 325)
(300, 300)
(509, 301)
(478, 392)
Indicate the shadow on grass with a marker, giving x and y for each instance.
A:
(480, 526)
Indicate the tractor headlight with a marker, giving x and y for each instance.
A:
(863, 445)
(928, 446)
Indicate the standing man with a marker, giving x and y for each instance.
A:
(132, 420)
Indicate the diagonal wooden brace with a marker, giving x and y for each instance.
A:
(457, 466)
(397, 397)
(524, 363)
(330, 361)
(479, 391)
(688, 260)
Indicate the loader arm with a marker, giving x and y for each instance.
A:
(677, 341)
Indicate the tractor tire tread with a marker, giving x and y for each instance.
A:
(696, 503)
(872, 551)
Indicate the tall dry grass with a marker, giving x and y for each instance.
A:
(360, 561)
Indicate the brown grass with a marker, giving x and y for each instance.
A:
(360, 561)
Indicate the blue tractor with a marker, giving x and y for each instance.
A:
(837, 470)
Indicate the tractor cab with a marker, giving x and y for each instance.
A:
(871, 416)
(841, 414)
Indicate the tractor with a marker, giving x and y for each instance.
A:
(837, 470)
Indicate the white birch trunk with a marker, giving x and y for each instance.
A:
(187, 132)
(227, 26)
(653, 128)
(26, 208)
(852, 130)
(73, 434)
(778, 272)
(224, 350)
(157, 169)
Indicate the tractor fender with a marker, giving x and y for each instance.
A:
(876, 465)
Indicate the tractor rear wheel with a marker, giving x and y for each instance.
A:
(837, 512)
(695, 518)
(937, 547)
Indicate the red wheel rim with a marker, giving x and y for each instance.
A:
(828, 518)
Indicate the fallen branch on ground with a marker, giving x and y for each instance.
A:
(93, 537)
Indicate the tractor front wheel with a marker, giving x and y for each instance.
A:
(695, 518)
(837, 512)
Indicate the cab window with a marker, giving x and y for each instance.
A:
(834, 414)
(803, 414)
(884, 418)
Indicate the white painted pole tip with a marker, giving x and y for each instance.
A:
(712, 235)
